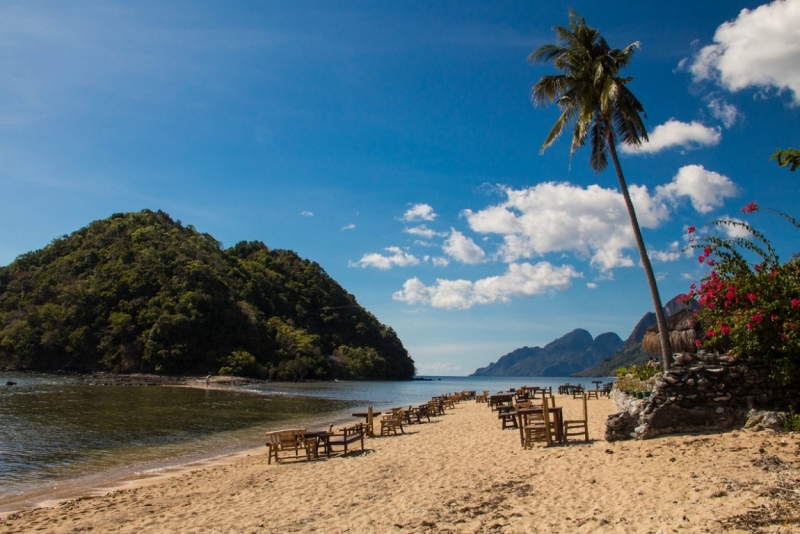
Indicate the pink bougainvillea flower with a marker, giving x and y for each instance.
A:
(707, 251)
(795, 303)
(701, 258)
(711, 333)
(752, 297)
(750, 207)
(756, 318)
(773, 318)
(712, 262)
(697, 342)
(690, 230)
(725, 330)
(749, 326)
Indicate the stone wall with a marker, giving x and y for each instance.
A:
(701, 392)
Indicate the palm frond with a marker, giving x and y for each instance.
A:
(588, 90)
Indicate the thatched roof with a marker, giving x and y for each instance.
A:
(682, 334)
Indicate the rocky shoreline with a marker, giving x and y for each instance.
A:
(144, 379)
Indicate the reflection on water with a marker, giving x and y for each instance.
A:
(53, 430)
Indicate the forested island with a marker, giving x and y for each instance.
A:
(139, 292)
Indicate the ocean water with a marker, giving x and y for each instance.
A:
(54, 433)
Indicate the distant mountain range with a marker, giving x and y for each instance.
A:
(578, 354)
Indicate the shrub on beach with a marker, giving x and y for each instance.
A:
(751, 308)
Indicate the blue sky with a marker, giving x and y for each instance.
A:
(396, 145)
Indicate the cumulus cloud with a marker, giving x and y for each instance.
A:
(733, 231)
(591, 285)
(462, 248)
(671, 254)
(423, 231)
(306, 214)
(724, 112)
(349, 227)
(676, 133)
(397, 258)
(592, 222)
(706, 189)
(419, 212)
(760, 48)
(520, 280)
(440, 262)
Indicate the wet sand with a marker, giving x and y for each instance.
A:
(461, 473)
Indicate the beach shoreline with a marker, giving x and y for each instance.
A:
(459, 473)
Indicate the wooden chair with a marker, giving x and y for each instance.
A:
(435, 408)
(577, 427)
(538, 429)
(390, 423)
(293, 440)
(576, 391)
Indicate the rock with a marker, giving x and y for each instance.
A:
(764, 420)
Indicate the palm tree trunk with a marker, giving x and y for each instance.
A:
(666, 349)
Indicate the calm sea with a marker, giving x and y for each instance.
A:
(54, 433)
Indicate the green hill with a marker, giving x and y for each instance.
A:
(139, 292)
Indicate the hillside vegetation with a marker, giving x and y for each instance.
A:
(139, 292)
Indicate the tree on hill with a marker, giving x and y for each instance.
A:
(593, 96)
(139, 292)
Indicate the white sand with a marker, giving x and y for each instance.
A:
(459, 473)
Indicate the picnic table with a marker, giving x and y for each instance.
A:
(323, 440)
(500, 399)
(555, 414)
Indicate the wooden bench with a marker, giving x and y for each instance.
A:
(347, 435)
(291, 440)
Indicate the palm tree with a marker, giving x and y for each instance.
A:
(593, 96)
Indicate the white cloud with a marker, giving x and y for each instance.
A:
(733, 231)
(706, 189)
(520, 280)
(591, 285)
(379, 261)
(306, 214)
(673, 253)
(423, 231)
(349, 227)
(440, 262)
(675, 133)
(724, 112)
(559, 217)
(462, 248)
(760, 48)
(419, 212)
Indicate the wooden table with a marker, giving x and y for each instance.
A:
(555, 414)
(499, 398)
(323, 438)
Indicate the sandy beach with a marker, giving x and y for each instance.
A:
(462, 474)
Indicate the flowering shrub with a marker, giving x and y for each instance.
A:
(753, 309)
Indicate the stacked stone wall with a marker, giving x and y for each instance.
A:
(701, 392)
